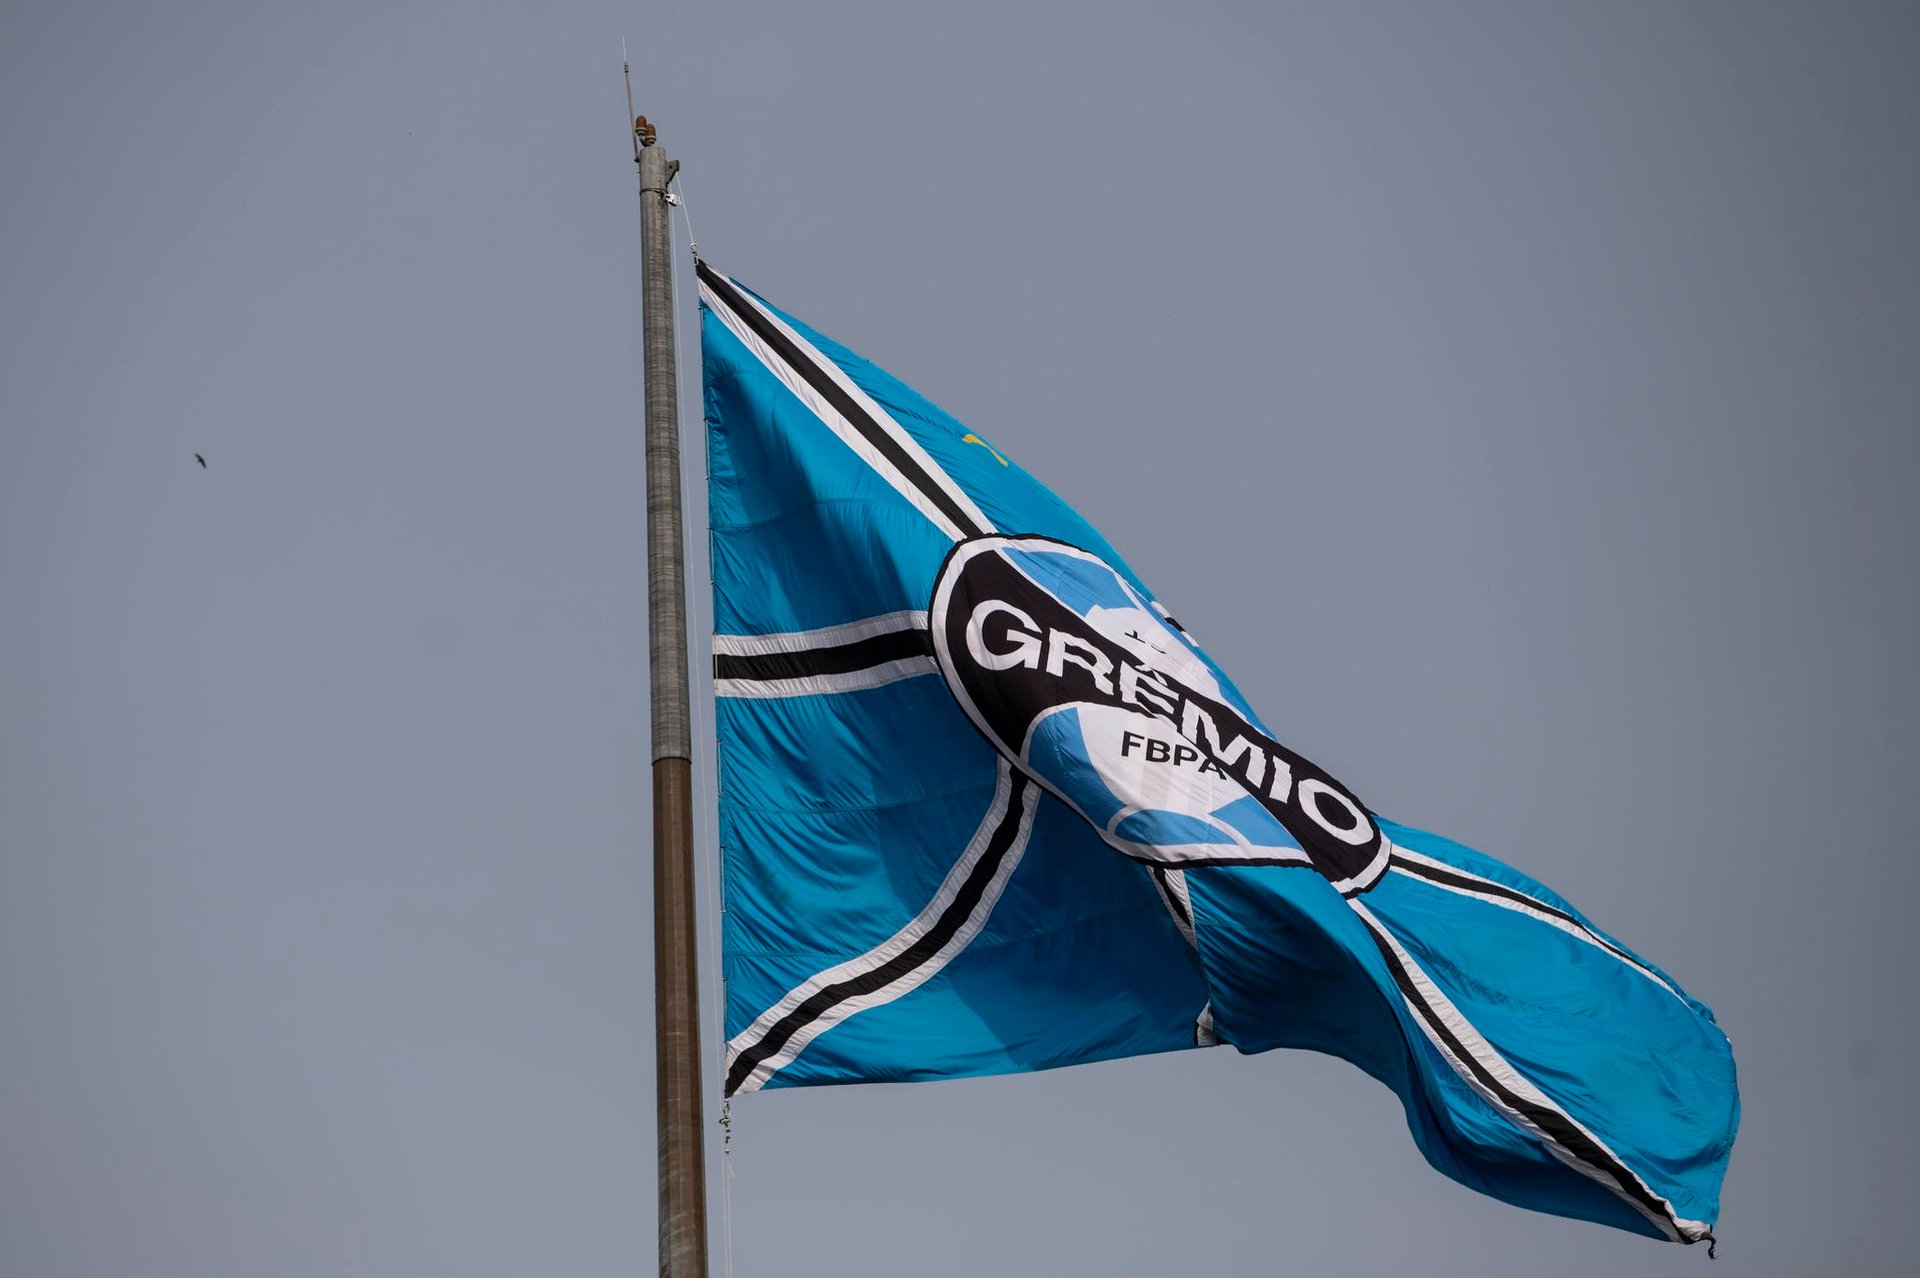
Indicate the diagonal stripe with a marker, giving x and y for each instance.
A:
(1463, 882)
(1482, 1067)
(907, 959)
(847, 410)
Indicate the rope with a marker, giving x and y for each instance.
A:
(700, 614)
(687, 216)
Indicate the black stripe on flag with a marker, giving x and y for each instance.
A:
(845, 658)
(922, 950)
(1477, 886)
(847, 406)
(1473, 883)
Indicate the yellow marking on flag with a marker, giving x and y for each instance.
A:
(971, 438)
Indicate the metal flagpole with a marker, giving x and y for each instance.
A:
(676, 990)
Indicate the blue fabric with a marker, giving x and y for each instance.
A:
(1065, 836)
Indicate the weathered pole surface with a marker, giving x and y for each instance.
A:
(676, 989)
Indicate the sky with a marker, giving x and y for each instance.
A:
(1519, 400)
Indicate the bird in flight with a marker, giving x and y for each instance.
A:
(203, 461)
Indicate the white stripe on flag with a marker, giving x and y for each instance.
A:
(899, 942)
(1517, 1086)
(820, 685)
(839, 425)
(825, 637)
(1533, 910)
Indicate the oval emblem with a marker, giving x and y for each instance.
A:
(1088, 686)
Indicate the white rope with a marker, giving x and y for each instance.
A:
(700, 614)
(686, 215)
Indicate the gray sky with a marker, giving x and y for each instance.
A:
(1550, 369)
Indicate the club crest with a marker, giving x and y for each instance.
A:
(1087, 685)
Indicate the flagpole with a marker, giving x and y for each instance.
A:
(676, 1004)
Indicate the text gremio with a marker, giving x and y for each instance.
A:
(1015, 640)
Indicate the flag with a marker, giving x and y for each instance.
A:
(986, 807)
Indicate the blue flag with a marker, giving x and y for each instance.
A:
(986, 807)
